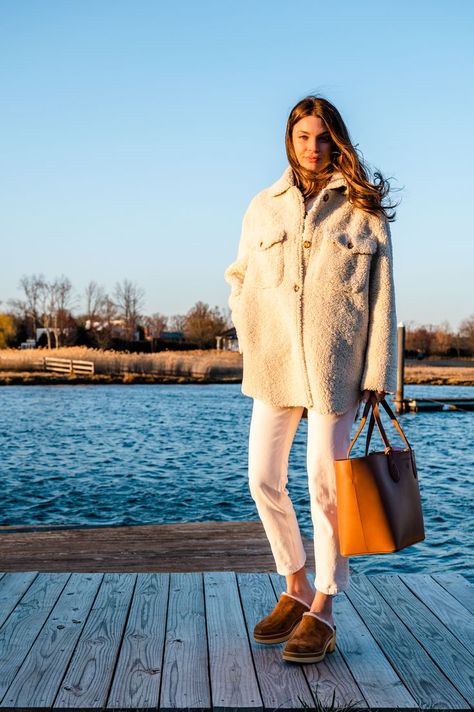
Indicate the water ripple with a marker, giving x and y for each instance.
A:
(123, 455)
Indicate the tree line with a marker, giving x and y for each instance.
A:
(52, 306)
(118, 318)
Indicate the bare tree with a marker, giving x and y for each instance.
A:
(47, 307)
(64, 302)
(106, 317)
(177, 322)
(443, 338)
(95, 297)
(129, 301)
(27, 309)
(155, 324)
(466, 332)
(203, 324)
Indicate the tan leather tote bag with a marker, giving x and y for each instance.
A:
(378, 498)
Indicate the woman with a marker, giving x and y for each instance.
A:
(313, 304)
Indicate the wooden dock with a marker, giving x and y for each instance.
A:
(183, 641)
(176, 547)
(161, 617)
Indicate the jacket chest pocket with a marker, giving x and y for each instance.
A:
(267, 260)
(352, 256)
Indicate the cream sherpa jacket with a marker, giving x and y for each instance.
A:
(313, 299)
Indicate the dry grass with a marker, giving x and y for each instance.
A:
(199, 364)
(440, 375)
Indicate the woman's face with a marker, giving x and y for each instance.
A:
(312, 143)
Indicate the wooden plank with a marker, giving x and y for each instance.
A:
(459, 587)
(233, 681)
(428, 685)
(379, 683)
(185, 682)
(79, 366)
(25, 622)
(137, 677)
(60, 365)
(438, 641)
(90, 671)
(12, 588)
(154, 548)
(281, 685)
(445, 607)
(331, 675)
(39, 677)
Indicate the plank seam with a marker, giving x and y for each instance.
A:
(38, 633)
(77, 643)
(242, 609)
(375, 641)
(411, 632)
(119, 647)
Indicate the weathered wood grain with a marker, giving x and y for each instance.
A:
(12, 588)
(425, 681)
(232, 674)
(19, 631)
(377, 680)
(137, 677)
(189, 546)
(41, 673)
(184, 641)
(441, 645)
(459, 587)
(87, 680)
(186, 662)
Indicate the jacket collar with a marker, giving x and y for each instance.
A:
(287, 180)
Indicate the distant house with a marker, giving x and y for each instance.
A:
(227, 341)
(176, 336)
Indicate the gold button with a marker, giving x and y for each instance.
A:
(326, 197)
(296, 287)
(307, 243)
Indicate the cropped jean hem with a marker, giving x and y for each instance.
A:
(288, 571)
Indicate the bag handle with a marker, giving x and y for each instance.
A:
(375, 417)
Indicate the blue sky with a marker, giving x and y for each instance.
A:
(134, 133)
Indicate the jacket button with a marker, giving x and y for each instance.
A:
(326, 197)
(296, 287)
(307, 243)
(349, 245)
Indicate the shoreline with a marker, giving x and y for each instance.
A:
(180, 367)
(414, 375)
(39, 378)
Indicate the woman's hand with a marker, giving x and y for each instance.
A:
(374, 396)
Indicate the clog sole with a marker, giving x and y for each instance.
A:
(307, 657)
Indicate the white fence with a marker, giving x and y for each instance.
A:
(67, 365)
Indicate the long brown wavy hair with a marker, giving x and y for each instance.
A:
(362, 193)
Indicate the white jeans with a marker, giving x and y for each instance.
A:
(271, 435)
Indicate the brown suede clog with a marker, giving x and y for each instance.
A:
(310, 642)
(280, 623)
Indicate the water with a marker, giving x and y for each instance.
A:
(138, 454)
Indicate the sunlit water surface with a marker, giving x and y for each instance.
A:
(138, 454)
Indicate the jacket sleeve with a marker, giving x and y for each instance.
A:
(235, 274)
(380, 368)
